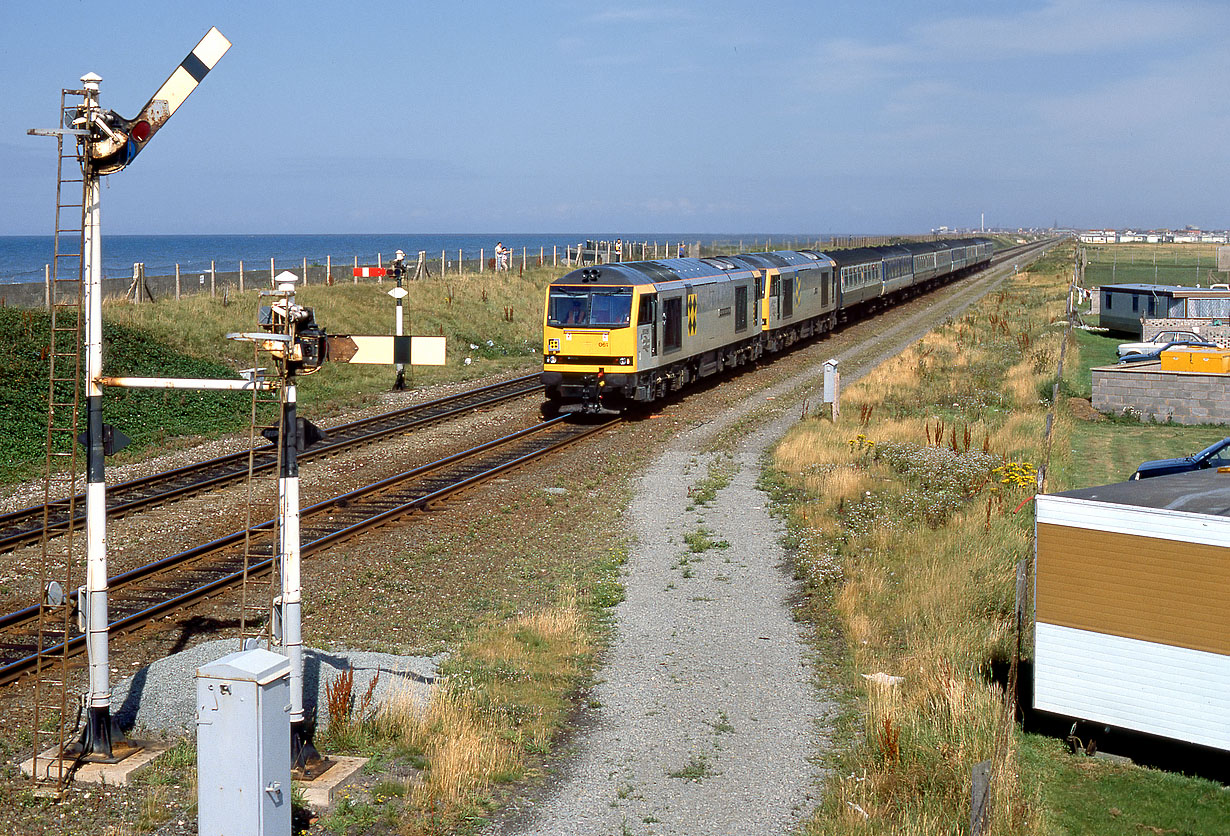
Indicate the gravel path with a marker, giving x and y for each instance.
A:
(708, 716)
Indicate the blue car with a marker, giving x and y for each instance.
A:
(1215, 455)
(1156, 354)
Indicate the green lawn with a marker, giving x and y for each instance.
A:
(1181, 264)
(1095, 797)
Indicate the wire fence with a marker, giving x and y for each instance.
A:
(222, 278)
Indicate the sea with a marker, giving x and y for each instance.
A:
(23, 257)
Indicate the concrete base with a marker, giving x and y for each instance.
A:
(116, 774)
(321, 793)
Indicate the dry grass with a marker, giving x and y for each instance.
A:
(503, 698)
(909, 522)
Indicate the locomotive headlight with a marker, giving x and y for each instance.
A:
(625, 361)
(550, 358)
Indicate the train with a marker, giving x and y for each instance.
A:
(623, 334)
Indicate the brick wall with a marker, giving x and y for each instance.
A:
(1155, 395)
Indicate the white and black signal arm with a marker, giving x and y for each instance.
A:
(114, 141)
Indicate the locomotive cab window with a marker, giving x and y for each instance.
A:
(597, 307)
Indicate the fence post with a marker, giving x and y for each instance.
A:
(555, 255)
(47, 285)
(441, 263)
(542, 249)
(305, 271)
(459, 262)
(241, 275)
(176, 282)
(213, 275)
(523, 259)
(482, 259)
(980, 785)
(329, 270)
(379, 260)
(356, 269)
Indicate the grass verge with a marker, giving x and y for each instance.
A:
(909, 516)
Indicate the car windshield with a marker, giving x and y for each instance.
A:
(592, 307)
(1215, 455)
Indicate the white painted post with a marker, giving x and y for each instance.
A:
(555, 255)
(523, 259)
(241, 275)
(47, 285)
(329, 270)
(379, 260)
(482, 259)
(271, 271)
(832, 387)
(213, 276)
(459, 261)
(442, 263)
(176, 282)
(541, 250)
(305, 271)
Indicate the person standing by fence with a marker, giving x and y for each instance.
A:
(501, 256)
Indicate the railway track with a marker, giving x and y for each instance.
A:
(25, 525)
(138, 596)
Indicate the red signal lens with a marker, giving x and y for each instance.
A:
(140, 131)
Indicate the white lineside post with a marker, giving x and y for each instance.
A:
(329, 270)
(482, 259)
(271, 270)
(832, 387)
(177, 285)
(100, 727)
(555, 255)
(241, 275)
(460, 254)
(47, 286)
(441, 263)
(523, 248)
(305, 271)
(213, 278)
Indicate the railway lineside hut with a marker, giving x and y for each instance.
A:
(1132, 606)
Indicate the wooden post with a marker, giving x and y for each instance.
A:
(271, 271)
(523, 259)
(541, 250)
(329, 270)
(305, 271)
(555, 255)
(176, 282)
(47, 286)
(482, 259)
(442, 263)
(213, 275)
(356, 269)
(241, 275)
(379, 260)
(459, 261)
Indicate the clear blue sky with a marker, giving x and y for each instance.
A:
(670, 115)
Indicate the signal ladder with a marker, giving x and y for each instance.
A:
(59, 555)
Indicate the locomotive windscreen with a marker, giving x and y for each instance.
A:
(593, 307)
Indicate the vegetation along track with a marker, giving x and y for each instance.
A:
(148, 592)
(25, 525)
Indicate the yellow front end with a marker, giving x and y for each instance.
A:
(590, 363)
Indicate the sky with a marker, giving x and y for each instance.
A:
(719, 116)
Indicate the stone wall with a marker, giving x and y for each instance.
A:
(1156, 395)
(1204, 326)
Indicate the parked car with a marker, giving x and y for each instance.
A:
(1156, 353)
(1215, 455)
(1158, 339)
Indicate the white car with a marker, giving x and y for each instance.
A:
(1157, 341)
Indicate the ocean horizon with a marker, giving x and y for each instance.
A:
(23, 257)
